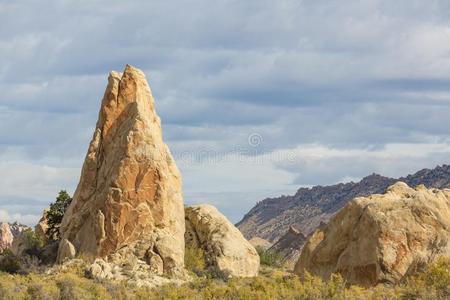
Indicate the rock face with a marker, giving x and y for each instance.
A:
(6, 236)
(271, 218)
(65, 251)
(9, 232)
(381, 238)
(289, 246)
(41, 227)
(226, 250)
(129, 201)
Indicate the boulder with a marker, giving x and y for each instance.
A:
(66, 251)
(6, 236)
(381, 238)
(225, 248)
(129, 198)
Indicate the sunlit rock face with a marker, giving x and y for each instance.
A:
(381, 238)
(129, 199)
(226, 250)
(6, 236)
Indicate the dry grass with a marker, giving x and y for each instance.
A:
(271, 284)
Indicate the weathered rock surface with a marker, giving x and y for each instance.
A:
(128, 202)
(289, 246)
(65, 251)
(226, 250)
(381, 238)
(134, 272)
(6, 236)
(41, 227)
(271, 218)
(10, 232)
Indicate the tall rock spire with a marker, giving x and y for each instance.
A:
(129, 199)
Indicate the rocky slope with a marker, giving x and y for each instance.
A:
(128, 205)
(289, 246)
(271, 218)
(381, 238)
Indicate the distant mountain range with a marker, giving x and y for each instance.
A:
(271, 218)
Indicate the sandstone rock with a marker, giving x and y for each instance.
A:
(9, 232)
(136, 273)
(65, 251)
(381, 238)
(289, 246)
(41, 228)
(226, 250)
(100, 269)
(6, 236)
(129, 198)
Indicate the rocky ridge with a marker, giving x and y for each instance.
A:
(271, 218)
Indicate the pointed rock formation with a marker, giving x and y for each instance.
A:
(226, 250)
(129, 201)
(381, 238)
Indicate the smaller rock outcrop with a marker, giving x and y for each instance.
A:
(381, 238)
(10, 232)
(66, 251)
(289, 246)
(133, 272)
(41, 227)
(226, 250)
(6, 236)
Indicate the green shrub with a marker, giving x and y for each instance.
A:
(433, 283)
(269, 258)
(194, 260)
(33, 243)
(9, 262)
(56, 214)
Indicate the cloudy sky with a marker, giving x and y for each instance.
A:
(257, 98)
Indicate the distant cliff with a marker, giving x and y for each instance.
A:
(271, 218)
(8, 232)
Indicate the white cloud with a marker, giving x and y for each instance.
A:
(26, 219)
(316, 164)
(340, 85)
